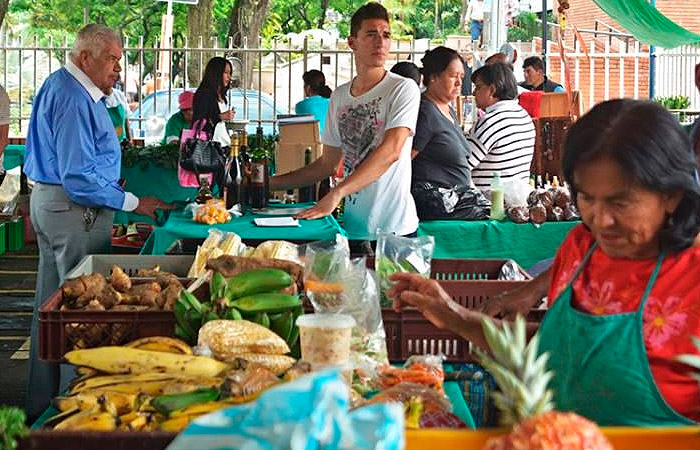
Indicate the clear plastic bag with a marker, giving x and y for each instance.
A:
(516, 192)
(336, 284)
(399, 254)
(9, 193)
(511, 271)
(310, 413)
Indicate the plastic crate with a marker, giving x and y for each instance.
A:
(63, 331)
(178, 265)
(3, 238)
(412, 334)
(93, 440)
(465, 269)
(15, 234)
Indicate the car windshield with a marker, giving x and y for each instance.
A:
(157, 108)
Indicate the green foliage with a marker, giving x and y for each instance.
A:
(675, 102)
(525, 26)
(12, 427)
(165, 156)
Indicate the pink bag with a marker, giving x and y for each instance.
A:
(185, 177)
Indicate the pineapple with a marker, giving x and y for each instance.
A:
(524, 402)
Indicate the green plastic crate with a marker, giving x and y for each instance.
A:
(15, 234)
(3, 238)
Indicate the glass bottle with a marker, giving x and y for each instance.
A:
(497, 201)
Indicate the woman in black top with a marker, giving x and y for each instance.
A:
(210, 101)
(440, 149)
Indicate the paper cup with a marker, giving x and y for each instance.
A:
(325, 339)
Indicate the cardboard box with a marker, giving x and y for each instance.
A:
(290, 153)
(300, 132)
(556, 104)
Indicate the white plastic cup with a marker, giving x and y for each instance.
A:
(325, 339)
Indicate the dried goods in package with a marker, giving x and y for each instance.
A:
(336, 284)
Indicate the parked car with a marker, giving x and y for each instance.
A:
(157, 107)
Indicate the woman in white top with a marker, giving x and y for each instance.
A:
(210, 103)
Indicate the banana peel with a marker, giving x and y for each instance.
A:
(89, 420)
(161, 344)
(118, 360)
(121, 402)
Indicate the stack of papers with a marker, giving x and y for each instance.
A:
(276, 222)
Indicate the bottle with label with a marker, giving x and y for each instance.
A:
(258, 174)
(204, 193)
(539, 184)
(497, 201)
(244, 165)
(307, 193)
(555, 182)
(233, 179)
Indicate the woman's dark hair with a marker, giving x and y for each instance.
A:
(407, 70)
(436, 61)
(316, 81)
(213, 76)
(649, 145)
(501, 77)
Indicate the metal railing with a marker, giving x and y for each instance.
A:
(270, 79)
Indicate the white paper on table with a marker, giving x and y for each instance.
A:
(276, 222)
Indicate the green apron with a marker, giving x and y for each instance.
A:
(600, 364)
(118, 116)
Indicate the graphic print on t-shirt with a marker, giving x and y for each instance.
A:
(359, 125)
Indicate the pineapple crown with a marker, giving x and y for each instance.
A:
(520, 373)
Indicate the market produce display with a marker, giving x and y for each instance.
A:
(131, 388)
(524, 401)
(94, 292)
(265, 296)
(212, 212)
(553, 204)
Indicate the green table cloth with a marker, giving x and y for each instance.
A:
(152, 181)
(13, 156)
(490, 239)
(180, 225)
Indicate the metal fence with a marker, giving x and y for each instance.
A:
(270, 79)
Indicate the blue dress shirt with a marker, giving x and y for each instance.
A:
(316, 105)
(71, 141)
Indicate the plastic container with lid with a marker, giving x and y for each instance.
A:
(325, 339)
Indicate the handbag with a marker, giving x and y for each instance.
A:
(201, 155)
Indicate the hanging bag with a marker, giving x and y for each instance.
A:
(200, 154)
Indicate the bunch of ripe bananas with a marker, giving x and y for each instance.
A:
(150, 384)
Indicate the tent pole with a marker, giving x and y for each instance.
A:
(544, 35)
(652, 64)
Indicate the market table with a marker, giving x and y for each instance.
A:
(143, 180)
(152, 181)
(484, 239)
(180, 225)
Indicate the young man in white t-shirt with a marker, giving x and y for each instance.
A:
(370, 122)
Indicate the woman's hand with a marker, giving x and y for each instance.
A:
(427, 296)
(227, 115)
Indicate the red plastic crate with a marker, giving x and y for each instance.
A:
(63, 331)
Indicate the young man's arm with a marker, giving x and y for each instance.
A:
(367, 173)
(318, 170)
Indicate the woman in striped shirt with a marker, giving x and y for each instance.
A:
(505, 135)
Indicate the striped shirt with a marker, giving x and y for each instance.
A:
(505, 142)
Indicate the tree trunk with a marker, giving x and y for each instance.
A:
(462, 14)
(3, 10)
(246, 20)
(322, 19)
(199, 20)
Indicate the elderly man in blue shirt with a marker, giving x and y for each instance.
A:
(74, 158)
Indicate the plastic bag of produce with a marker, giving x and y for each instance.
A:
(9, 192)
(310, 413)
(400, 254)
(512, 271)
(336, 284)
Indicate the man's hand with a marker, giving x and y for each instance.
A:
(148, 205)
(323, 208)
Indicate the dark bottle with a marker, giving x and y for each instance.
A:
(307, 193)
(258, 183)
(244, 165)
